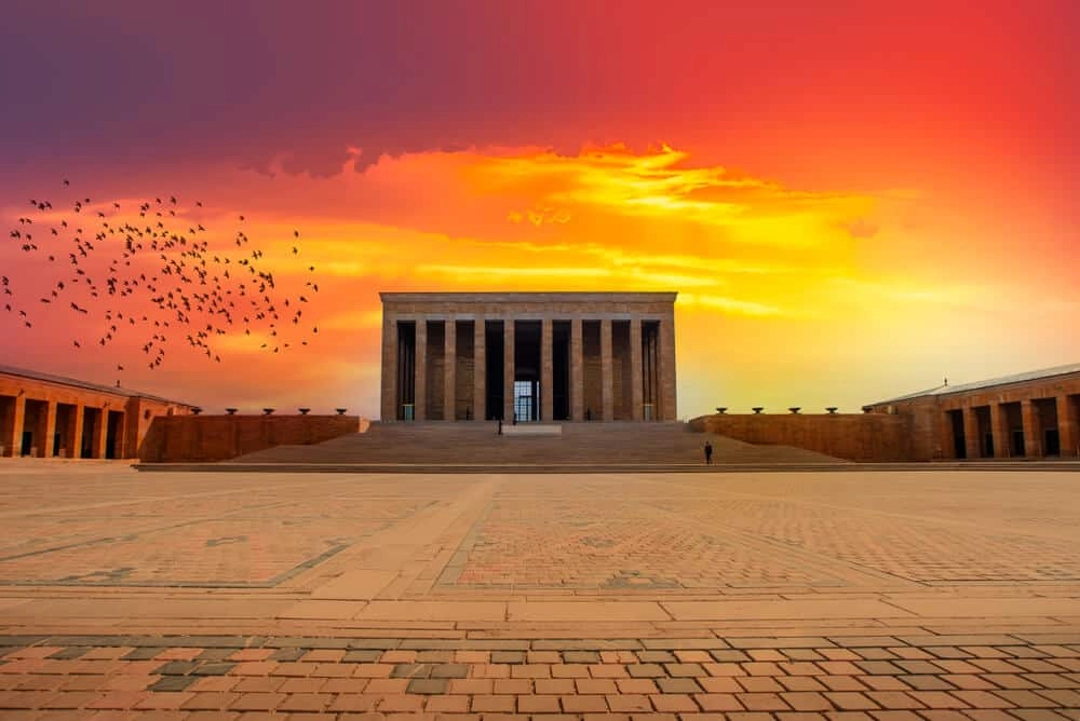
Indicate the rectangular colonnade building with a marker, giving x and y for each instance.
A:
(528, 356)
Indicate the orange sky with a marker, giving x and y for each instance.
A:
(847, 213)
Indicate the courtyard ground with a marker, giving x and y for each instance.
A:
(891, 596)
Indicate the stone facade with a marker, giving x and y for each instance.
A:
(192, 438)
(536, 356)
(852, 436)
(1029, 415)
(49, 416)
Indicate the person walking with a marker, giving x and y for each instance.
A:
(708, 453)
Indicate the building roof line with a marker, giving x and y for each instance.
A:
(1024, 377)
(76, 383)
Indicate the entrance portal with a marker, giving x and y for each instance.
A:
(526, 401)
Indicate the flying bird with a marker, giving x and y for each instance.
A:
(182, 291)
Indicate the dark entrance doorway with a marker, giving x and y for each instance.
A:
(560, 375)
(526, 370)
(1018, 443)
(91, 423)
(959, 442)
(493, 340)
(27, 443)
(1052, 442)
(526, 401)
(406, 372)
(114, 442)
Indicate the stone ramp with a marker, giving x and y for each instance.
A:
(606, 445)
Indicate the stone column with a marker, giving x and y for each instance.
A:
(47, 445)
(508, 370)
(547, 370)
(450, 368)
(607, 375)
(637, 379)
(390, 402)
(12, 441)
(999, 431)
(101, 433)
(1068, 434)
(666, 391)
(971, 433)
(479, 370)
(420, 392)
(577, 372)
(75, 448)
(1029, 414)
(120, 446)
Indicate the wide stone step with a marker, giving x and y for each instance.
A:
(479, 443)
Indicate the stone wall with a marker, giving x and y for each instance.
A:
(855, 437)
(1029, 407)
(177, 439)
(69, 418)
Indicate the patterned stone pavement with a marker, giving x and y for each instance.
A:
(859, 596)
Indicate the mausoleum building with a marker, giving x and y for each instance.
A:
(528, 356)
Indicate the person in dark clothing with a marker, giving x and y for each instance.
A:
(708, 453)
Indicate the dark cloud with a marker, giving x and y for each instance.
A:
(247, 81)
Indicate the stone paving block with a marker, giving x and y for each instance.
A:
(760, 684)
(628, 703)
(173, 683)
(881, 667)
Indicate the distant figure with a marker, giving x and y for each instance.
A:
(708, 453)
(468, 414)
(588, 414)
(514, 421)
(500, 425)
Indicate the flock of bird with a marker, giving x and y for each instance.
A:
(190, 291)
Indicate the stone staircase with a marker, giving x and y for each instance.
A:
(477, 444)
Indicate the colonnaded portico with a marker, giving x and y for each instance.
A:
(559, 356)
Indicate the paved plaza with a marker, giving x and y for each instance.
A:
(863, 596)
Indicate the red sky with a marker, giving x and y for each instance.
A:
(853, 199)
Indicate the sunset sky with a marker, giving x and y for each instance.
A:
(854, 199)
